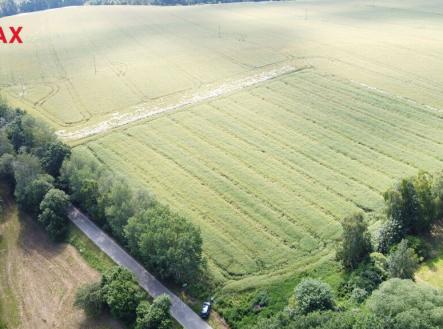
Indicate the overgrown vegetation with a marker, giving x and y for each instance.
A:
(377, 290)
(119, 293)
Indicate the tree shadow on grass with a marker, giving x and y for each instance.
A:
(33, 238)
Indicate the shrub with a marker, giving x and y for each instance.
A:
(155, 316)
(90, 299)
(313, 295)
(260, 300)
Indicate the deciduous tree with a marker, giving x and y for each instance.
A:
(53, 214)
(402, 262)
(356, 241)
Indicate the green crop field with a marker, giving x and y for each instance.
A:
(272, 120)
(268, 172)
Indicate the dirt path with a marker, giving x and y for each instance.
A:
(39, 278)
(144, 111)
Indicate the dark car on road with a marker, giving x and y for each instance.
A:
(206, 310)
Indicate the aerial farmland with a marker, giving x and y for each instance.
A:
(265, 124)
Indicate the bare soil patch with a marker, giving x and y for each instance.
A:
(41, 278)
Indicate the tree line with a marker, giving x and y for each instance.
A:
(30, 161)
(41, 169)
(12, 7)
(163, 2)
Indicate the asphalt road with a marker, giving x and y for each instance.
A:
(179, 310)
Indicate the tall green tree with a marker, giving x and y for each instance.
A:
(34, 193)
(86, 181)
(119, 207)
(403, 261)
(52, 156)
(7, 168)
(403, 205)
(5, 144)
(356, 241)
(121, 293)
(26, 169)
(53, 214)
(423, 184)
(167, 243)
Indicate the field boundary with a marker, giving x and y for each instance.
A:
(142, 112)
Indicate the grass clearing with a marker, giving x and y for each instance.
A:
(89, 251)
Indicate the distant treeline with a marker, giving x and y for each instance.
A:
(162, 2)
(11, 7)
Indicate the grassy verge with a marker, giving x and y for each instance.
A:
(97, 259)
(238, 308)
